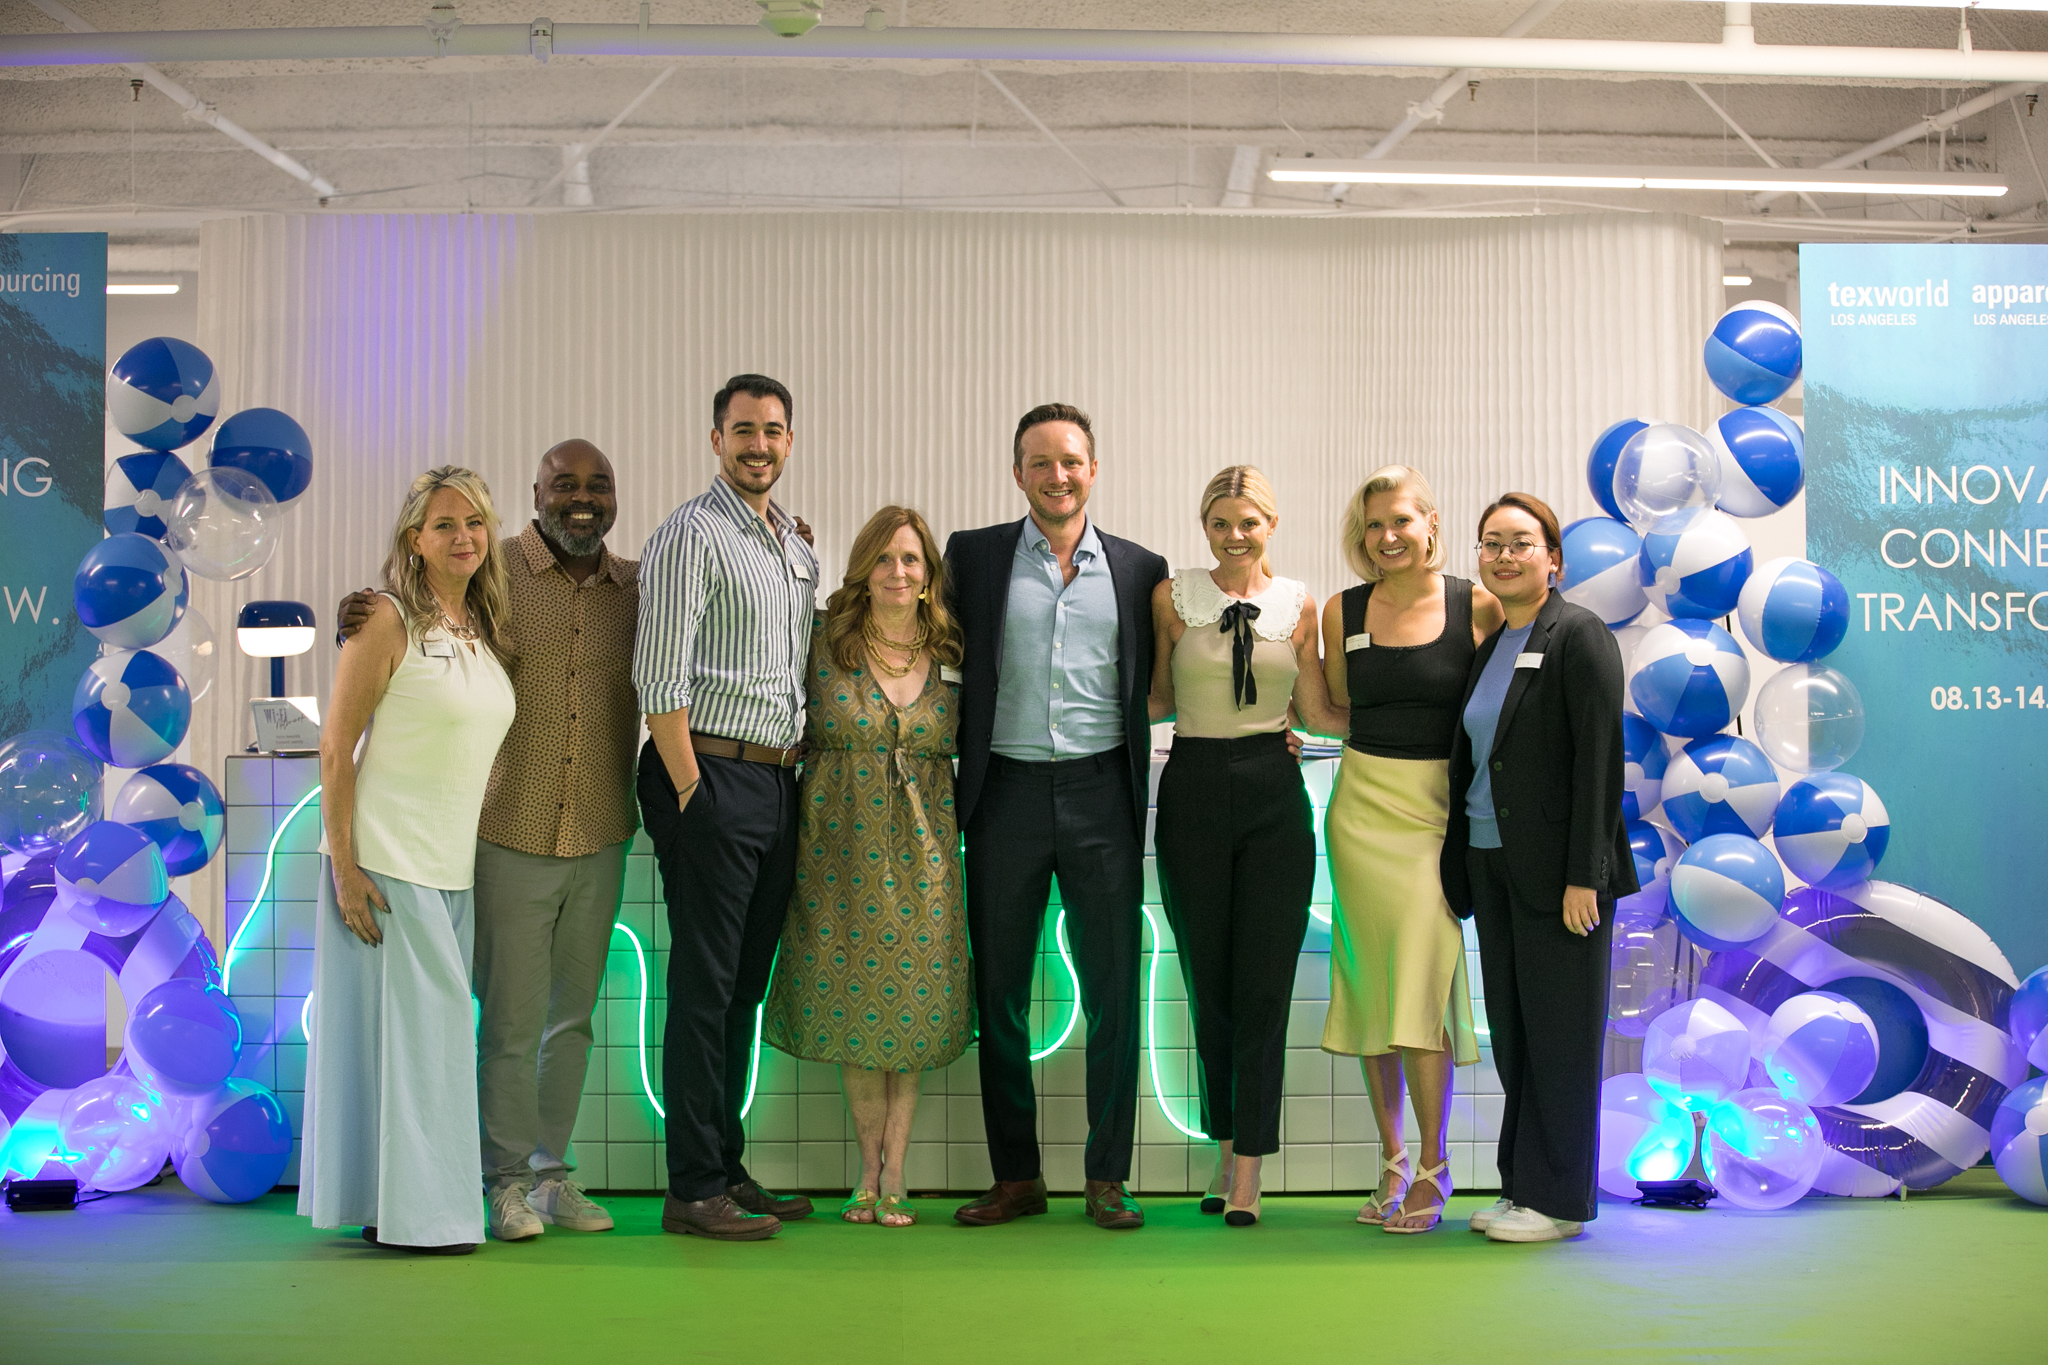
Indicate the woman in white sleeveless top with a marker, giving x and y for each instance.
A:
(1236, 652)
(390, 1129)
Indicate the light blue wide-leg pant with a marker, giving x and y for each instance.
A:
(390, 1129)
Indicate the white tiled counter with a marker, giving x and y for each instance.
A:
(798, 1134)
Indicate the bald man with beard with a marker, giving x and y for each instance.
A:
(557, 819)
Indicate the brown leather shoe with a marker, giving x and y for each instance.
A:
(1111, 1205)
(749, 1195)
(1005, 1201)
(718, 1218)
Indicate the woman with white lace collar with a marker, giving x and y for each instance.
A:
(1236, 658)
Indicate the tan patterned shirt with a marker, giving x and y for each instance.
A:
(563, 783)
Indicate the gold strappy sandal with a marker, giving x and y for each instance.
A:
(860, 1207)
(897, 1206)
(1375, 1209)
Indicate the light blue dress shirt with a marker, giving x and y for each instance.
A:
(1056, 694)
(1482, 719)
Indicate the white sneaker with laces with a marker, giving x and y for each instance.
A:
(561, 1201)
(511, 1220)
(1524, 1224)
(1483, 1218)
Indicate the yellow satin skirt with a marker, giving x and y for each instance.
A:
(1397, 954)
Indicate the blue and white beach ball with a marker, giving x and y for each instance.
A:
(1763, 461)
(1820, 1048)
(237, 1143)
(1726, 891)
(111, 879)
(1654, 849)
(1794, 610)
(2030, 1017)
(1644, 762)
(131, 709)
(139, 488)
(129, 591)
(180, 810)
(1696, 1054)
(1690, 677)
(1831, 830)
(268, 444)
(1754, 352)
(1600, 569)
(2019, 1140)
(1695, 562)
(1605, 455)
(1721, 784)
(163, 393)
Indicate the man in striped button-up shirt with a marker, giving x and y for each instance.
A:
(726, 595)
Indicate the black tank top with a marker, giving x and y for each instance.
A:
(1405, 698)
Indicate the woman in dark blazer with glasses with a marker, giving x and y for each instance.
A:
(1535, 853)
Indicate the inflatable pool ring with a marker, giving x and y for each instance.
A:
(171, 945)
(1949, 990)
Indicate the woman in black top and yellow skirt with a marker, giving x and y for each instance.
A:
(1397, 649)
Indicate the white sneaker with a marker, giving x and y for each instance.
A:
(1524, 1224)
(1483, 1219)
(511, 1220)
(561, 1201)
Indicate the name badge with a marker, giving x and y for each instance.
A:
(438, 649)
(1528, 661)
(1354, 643)
(800, 569)
(948, 674)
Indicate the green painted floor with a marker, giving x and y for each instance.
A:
(160, 1277)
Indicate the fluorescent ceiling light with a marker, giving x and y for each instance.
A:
(1920, 4)
(1735, 281)
(1312, 170)
(142, 289)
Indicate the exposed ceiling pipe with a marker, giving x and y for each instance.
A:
(1731, 57)
(1243, 177)
(1431, 110)
(195, 107)
(1750, 142)
(1053, 138)
(584, 149)
(1936, 123)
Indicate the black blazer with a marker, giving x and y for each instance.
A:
(1557, 766)
(978, 568)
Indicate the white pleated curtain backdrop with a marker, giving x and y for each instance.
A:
(1486, 352)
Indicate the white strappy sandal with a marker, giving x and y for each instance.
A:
(1375, 1208)
(1437, 1176)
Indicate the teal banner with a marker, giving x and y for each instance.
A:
(1927, 495)
(53, 362)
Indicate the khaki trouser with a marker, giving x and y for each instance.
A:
(543, 928)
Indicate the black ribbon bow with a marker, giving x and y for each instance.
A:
(1238, 618)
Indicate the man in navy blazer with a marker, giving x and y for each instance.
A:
(1055, 761)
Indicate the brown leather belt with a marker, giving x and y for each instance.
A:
(719, 747)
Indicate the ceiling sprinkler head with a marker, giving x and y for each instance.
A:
(790, 18)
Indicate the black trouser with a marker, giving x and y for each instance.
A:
(1237, 864)
(1546, 1002)
(1072, 819)
(727, 861)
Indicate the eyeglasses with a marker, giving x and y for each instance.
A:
(1519, 550)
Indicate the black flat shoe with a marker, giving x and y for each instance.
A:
(1212, 1203)
(451, 1249)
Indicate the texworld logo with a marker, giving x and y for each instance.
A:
(1924, 295)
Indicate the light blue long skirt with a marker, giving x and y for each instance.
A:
(390, 1131)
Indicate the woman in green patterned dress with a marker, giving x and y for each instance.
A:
(873, 973)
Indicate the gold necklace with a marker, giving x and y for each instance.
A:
(878, 641)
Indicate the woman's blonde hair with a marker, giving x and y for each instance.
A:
(1245, 482)
(1392, 478)
(405, 573)
(846, 610)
